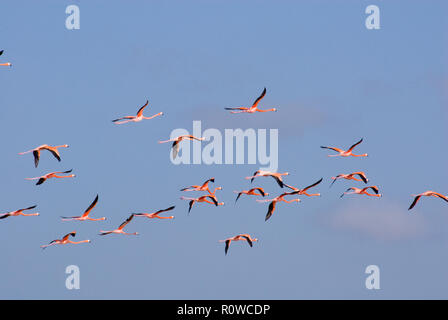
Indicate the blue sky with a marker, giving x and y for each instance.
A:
(333, 82)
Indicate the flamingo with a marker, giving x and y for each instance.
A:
(65, 240)
(177, 140)
(254, 107)
(363, 191)
(304, 190)
(156, 214)
(86, 213)
(119, 230)
(50, 175)
(428, 193)
(239, 237)
(351, 176)
(7, 64)
(251, 192)
(36, 152)
(203, 199)
(274, 201)
(347, 153)
(275, 175)
(139, 117)
(203, 187)
(19, 213)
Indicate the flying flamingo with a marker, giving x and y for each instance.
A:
(426, 194)
(18, 213)
(86, 213)
(274, 201)
(36, 152)
(304, 190)
(50, 175)
(156, 214)
(203, 187)
(347, 153)
(251, 192)
(177, 140)
(203, 199)
(363, 191)
(351, 176)
(120, 228)
(7, 64)
(254, 107)
(138, 117)
(275, 175)
(243, 237)
(65, 240)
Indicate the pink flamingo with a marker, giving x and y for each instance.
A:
(251, 192)
(119, 230)
(239, 237)
(363, 191)
(274, 201)
(156, 214)
(427, 194)
(50, 175)
(19, 213)
(351, 176)
(177, 140)
(254, 107)
(65, 240)
(342, 153)
(139, 117)
(53, 150)
(203, 187)
(275, 175)
(213, 199)
(86, 213)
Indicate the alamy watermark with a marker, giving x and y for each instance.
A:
(234, 146)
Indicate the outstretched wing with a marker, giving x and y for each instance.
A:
(332, 148)
(55, 154)
(374, 189)
(86, 213)
(164, 210)
(414, 202)
(313, 185)
(36, 154)
(126, 222)
(238, 196)
(248, 240)
(1, 52)
(362, 176)
(279, 181)
(175, 148)
(227, 246)
(259, 98)
(261, 191)
(270, 210)
(353, 146)
(41, 180)
(140, 111)
(68, 235)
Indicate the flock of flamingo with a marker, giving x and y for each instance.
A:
(210, 196)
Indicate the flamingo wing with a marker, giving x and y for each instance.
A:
(416, 199)
(259, 98)
(332, 148)
(238, 196)
(279, 181)
(65, 238)
(362, 176)
(190, 205)
(55, 154)
(1, 52)
(175, 148)
(374, 189)
(164, 210)
(86, 213)
(140, 111)
(126, 222)
(249, 241)
(5, 215)
(227, 246)
(441, 196)
(36, 154)
(260, 190)
(270, 210)
(313, 185)
(29, 208)
(41, 180)
(353, 146)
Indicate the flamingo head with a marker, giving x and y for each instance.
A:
(66, 146)
(8, 64)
